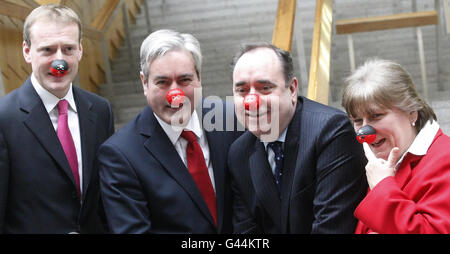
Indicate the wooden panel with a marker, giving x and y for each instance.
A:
(284, 24)
(319, 73)
(15, 70)
(413, 19)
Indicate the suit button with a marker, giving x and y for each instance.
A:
(74, 195)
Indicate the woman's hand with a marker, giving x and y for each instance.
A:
(377, 169)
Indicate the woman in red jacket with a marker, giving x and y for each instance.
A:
(408, 167)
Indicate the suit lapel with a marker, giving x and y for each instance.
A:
(291, 147)
(87, 120)
(158, 144)
(39, 123)
(264, 183)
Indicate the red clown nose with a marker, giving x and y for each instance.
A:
(59, 68)
(175, 97)
(251, 102)
(366, 134)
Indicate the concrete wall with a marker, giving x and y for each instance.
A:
(222, 25)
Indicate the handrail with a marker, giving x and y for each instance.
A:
(402, 20)
(395, 21)
(319, 73)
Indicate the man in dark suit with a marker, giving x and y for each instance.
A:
(152, 178)
(49, 135)
(299, 168)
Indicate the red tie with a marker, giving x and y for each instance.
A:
(67, 142)
(199, 171)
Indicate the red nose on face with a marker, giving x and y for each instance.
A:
(251, 102)
(366, 134)
(175, 97)
(59, 68)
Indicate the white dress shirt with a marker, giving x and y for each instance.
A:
(51, 102)
(422, 142)
(180, 144)
(271, 154)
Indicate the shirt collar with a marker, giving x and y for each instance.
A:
(174, 132)
(281, 138)
(423, 140)
(50, 101)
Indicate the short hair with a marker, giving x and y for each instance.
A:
(284, 56)
(386, 84)
(51, 12)
(162, 41)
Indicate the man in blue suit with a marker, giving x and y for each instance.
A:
(165, 172)
(50, 131)
(299, 168)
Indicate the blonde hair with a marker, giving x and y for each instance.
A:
(50, 12)
(385, 84)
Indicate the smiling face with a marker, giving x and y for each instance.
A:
(52, 41)
(175, 69)
(393, 129)
(259, 72)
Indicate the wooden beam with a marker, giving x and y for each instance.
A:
(104, 14)
(21, 12)
(14, 10)
(284, 25)
(42, 2)
(33, 4)
(92, 33)
(319, 72)
(395, 21)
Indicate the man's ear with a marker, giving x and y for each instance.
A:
(26, 52)
(144, 81)
(81, 52)
(293, 89)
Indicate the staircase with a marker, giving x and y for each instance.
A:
(221, 26)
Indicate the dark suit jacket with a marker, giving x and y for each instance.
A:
(322, 183)
(37, 188)
(146, 188)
